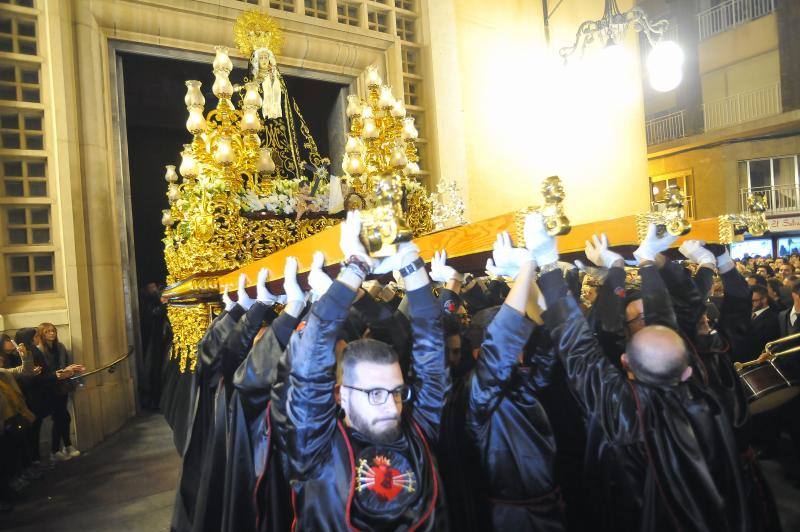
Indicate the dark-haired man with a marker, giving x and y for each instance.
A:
(765, 326)
(505, 418)
(787, 320)
(662, 447)
(366, 463)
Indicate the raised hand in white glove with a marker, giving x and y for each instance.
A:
(506, 259)
(695, 251)
(542, 245)
(350, 239)
(440, 271)
(318, 280)
(290, 285)
(226, 299)
(244, 300)
(407, 252)
(263, 295)
(653, 244)
(598, 272)
(725, 263)
(597, 251)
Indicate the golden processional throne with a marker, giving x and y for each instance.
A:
(250, 193)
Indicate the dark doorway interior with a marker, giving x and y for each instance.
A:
(155, 115)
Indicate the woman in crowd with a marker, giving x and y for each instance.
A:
(58, 358)
(39, 389)
(15, 470)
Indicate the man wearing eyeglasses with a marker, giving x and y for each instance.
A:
(366, 462)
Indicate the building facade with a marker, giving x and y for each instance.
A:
(496, 110)
(733, 126)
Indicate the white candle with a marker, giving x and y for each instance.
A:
(196, 123)
(194, 97)
(373, 78)
(386, 100)
(170, 175)
(222, 87)
(223, 153)
(188, 164)
(265, 163)
(222, 62)
(250, 121)
(173, 193)
(370, 130)
(252, 99)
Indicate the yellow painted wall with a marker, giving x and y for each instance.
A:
(746, 75)
(526, 116)
(660, 102)
(737, 44)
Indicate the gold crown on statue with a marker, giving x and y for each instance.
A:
(253, 30)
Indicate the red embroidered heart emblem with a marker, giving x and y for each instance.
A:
(385, 486)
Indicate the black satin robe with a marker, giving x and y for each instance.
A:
(322, 465)
(658, 458)
(510, 428)
(192, 446)
(250, 450)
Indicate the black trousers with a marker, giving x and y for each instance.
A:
(61, 421)
(33, 439)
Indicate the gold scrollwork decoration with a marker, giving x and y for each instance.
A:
(753, 221)
(552, 210)
(670, 216)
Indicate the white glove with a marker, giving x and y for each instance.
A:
(597, 251)
(350, 239)
(290, 285)
(541, 245)
(695, 252)
(725, 263)
(407, 252)
(440, 271)
(263, 295)
(598, 272)
(653, 244)
(226, 299)
(318, 280)
(506, 259)
(244, 300)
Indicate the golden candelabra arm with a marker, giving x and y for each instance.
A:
(753, 221)
(383, 227)
(552, 210)
(671, 218)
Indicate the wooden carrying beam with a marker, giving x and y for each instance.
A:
(467, 246)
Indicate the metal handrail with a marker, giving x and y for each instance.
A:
(106, 367)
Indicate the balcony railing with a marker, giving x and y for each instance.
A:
(664, 128)
(743, 107)
(731, 14)
(780, 198)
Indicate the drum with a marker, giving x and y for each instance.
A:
(770, 384)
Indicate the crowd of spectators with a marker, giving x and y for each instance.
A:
(36, 374)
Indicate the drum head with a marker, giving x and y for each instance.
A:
(773, 400)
